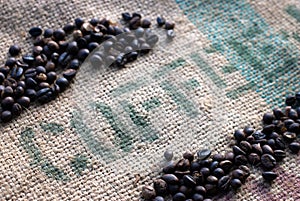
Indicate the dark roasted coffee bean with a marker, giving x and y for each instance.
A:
(239, 135)
(69, 28)
(82, 54)
(21, 84)
(258, 135)
(10, 62)
(63, 59)
(135, 22)
(205, 171)
(6, 116)
(268, 161)
(218, 157)
(238, 174)
(294, 128)
(173, 188)
(188, 180)
(132, 56)
(126, 16)
(92, 45)
(203, 154)
(224, 183)
(37, 50)
(169, 168)
(269, 176)
(211, 189)
(170, 179)
(35, 31)
(250, 139)
(278, 113)
(290, 100)
(16, 109)
(2, 77)
(200, 189)
(245, 146)
(273, 135)
(240, 160)
(38, 41)
(40, 60)
(187, 191)
(97, 37)
(16, 72)
(188, 155)
(53, 46)
(279, 144)
(288, 122)
(289, 136)
(213, 165)
(31, 93)
(256, 148)
(14, 50)
(160, 21)
(145, 23)
(10, 82)
(268, 118)
(229, 156)
(293, 114)
(7, 91)
(253, 158)
(7, 103)
(136, 15)
(24, 101)
(197, 197)
(148, 192)
(268, 129)
(206, 162)
(195, 166)
(212, 179)
(183, 165)
(72, 48)
(159, 198)
(44, 85)
(48, 33)
(63, 83)
(237, 150)
(179, 197)
(235, 183)
(245, 169)
(279, 155)
(59, 34)
(74, 64)
(79, 22)
(271, 143)
(226, 165)
(218, 172)
(267, 149)
(19, 91)
(160, 187)
(69, 74)
(294, 147)
(169, 25)
(29, 59)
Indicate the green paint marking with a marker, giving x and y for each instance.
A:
(296, 37)
(240, 90)
(180, 99)
(96, 147)
(122, 136)
(128, 87)
(26, 139)
(169, 67)
(229, 69)
(79, 164)
(151, 104)
(27, 142)
(208, 71)
(191, 84)
(141, 122)
(293, 11)
(52, 127)
(53, 172)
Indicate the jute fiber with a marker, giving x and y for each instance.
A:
(104, 138)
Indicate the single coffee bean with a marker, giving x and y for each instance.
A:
(268, 161)
(24, 101)
(126, 16)
(218, 157)
(169, 25)
(160, 187)
(160, 21)
(238, 174)
(200, 190)
(7, 91)
(205, 171)
(294, 147)
(224, 183)
(16, 72)
(248, 130)
(294, 128)
(218, 172)
(206, 162)
(279, 144)
(183, 165)
(278, 113)
(63, 83)
(82, 54)
(179, 197)
(240, 160)
(19, 91)
(226, 165)
(69, 74)
(229, 156)
(59, 34)
(29, 59)
(14, 50)
(269, 176)
(35, 31)
(159, 198)
(213, 165)
(148, 192)
(203, 154)
(31, 93)
(212, 179)
(197, 197)
(293, 114)
(290, 100)
(271, 143)
(145, 23)
(185, 190)
(169, 168)
(288, 122)
(10, 82)
(279, 155)
(245, 146)
(10, 62)
(237, 150)
(69, 28)
(44, 85)
(268, 129)
(289, 136)
(31, 82)
(188, 180)
(253, 158)
(211, 189)
(7, 103)
(235, 183)
(16, 109)
(53, 46)
(267, 149)
(135, 22)
(188, 155)
(48, 33)
(268, 118)
(258, 135)
(2, 77)
(6, 116)
(170, 179)
(173, 189)
(256, 148)
(239, 135)
(245, 169)
(132, 56)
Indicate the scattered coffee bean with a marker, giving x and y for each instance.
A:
(148, 192)
(35, 31)
(294, 147)
(268, 161)
(203, 154)
(269, 176)
(14, 50)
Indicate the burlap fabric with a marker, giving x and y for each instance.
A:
(105, 136)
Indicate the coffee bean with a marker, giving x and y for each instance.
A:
(253, 158)
(6, 116)
(173, 188)
(160, 187)
(256, 148)
(237, 150)
(212, 179)
(169, 25)
(229, 156)
(294, 128)
(14, 50)
(267, 149)
(29, 59)
(293, 114)
(268, 118)
(238, 174)
(16, 72)
(235, 183)
(126, 16)
(179, 197)
(7, 103)
(160, 21)
(30, 82)
(19, 91)
(226, 165)
(145, 23)
(82, 54)
(203, 154)
(258, 135)
(188, 180)
(68, 28)
(185, 190)
(64, 59)
(240, 160)
(135, 22)
(289, 136)
(288, 122)
(268, 161)
(53, 46)
(239, 135)
(245, 169)
(279, 144)
(197, 197)
(16, 109)
(269, 176)
(294, 147)
(48, 33)
(10, 62)
(31, 93)
(69, 74)
(218, 157)
(245, 146)
(44, 85)
(183, 165)
(170, 178)
(35, 31)
(132, 56)
(148, 192)
(213, 165)
(268, 129)
(24, 101)
(63, 83)
(218, 172)
(206, 162)
(59, 34)
(279, 155)
(159, 198)
(278, 113)
(205, 171)
(290, 100)
(211, 189)
(224, 183)
(188, 155)
(271, 143)
(7, 91)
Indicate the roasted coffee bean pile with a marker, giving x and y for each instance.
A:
(34, 76)
(203, 177)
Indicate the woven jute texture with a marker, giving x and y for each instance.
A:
(104, 138)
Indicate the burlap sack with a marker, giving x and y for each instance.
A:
(104, 138)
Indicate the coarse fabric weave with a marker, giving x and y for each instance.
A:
(104, 138)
